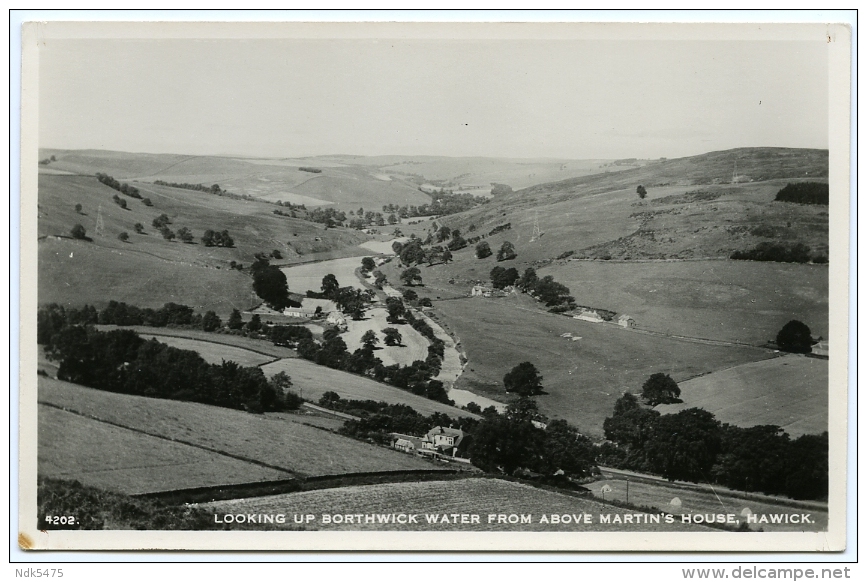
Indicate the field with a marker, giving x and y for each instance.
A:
(110, 457)
(211, 352)
(706, 500)
(791, 392)
(740, 301)
(312, 381)
(413, 344)
(259, 346)
(272, 441)
(302, 278)
(582, 378)
(468, 496)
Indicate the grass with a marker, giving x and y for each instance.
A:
(739, 301)
(791, 392)
(413, 344)
(273, 441)
(582, 378)
(110, 457)
(481, 496)
(302, 278)
(211, 352)
(312, 381)
(704, 501)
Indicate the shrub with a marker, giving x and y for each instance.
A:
(78, 232)
(123, 236)
(795, 337)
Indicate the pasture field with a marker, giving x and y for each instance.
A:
(245, 343)
(480, 496)
(790, 392)
(302, 278)
(414, 345)
(273, 441)
(212, 353)
(702, 499)
(311, 381)
(73, 273)
(582, 378)
(110, 457)
(741, 301)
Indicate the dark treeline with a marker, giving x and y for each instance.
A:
(444, 202)
(121, 361)
(780, 253)
(213, 189)
(804, 193)
(692, 445)
(130, 191)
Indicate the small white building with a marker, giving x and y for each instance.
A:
(338, 319)
(590, 316)
(625, 321)
(480, 291)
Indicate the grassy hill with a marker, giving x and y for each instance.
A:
(148, 270)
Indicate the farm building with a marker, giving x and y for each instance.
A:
(820, 348)
(338, 319)
(590, 316)
(439, 442)
(625, 321)
(480, 291)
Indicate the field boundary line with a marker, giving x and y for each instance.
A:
(165, 438)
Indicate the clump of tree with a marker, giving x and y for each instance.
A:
(795, 337)
(500, 189)
(167, 233)
(411, 277)
(506, 252)
(211, 321)
(185, 235)
(330, 217)
(78, 232)
(311, 170)
(270, 284)
(78, 208)
(126, 189)
(367, 264)
(161, 221)
(123, 236)
(392, 336)
(483, 250)
(214, 238)
(212, 189)
(777, 252)
(502, 278)
(805, 193)
(147, 202)
(524, 380)
(660, 389)
(692, 445)
(119, 201)
(641, 191)
(138, 228)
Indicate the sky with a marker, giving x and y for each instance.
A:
(575, 99)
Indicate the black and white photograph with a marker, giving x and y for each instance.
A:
(434, 286)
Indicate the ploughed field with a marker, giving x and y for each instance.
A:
(738, 301)
(790, 392)
(271, 441)
(582, 378)
(480, 496)
(103, 455)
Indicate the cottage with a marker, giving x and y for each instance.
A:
(447, 441)
(404, 445)
(337, 319)
(625, 321)
(480, 291)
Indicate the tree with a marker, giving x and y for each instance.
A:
(167, 233)
(185, 235)
(235, 320)
(329, 286)
(211, 322)
(392, 336)
(78, 208)
(523, 409)
(446, 256)
(397, 246)
(411, 276)
(123, 236)
(528, 280)
(255, 324)
(641, 191)
(368, 264)
(443, 233)
(396, 309)
(410, 295)
(502, 278)
(277, 254)
(161, 221)
(506, 252)
(795, 337)
(139, 228)
(503, 444)
(551, 292)
(147, 202)
(524, 380)
(78, 232)
(270, 284)
(684, 445)
(369, 338)
(660, 389)
(483, 250)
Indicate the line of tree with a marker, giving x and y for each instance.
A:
(119, 201)
(123, 188)
(212, 189)
(121, 361)
(444, 202)
(805, 193)
(692, 445)
(777, 252)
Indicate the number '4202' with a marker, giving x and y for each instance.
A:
(60, 520)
